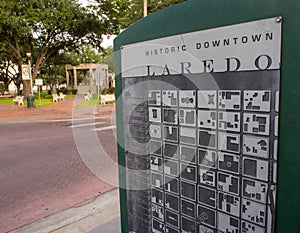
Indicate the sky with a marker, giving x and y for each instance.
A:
(106, 42)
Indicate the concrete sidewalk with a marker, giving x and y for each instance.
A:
(66, 109)
(98, 216)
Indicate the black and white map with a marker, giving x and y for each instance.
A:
(202, 146)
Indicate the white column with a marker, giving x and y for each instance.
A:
(75, 78)
(67, 78)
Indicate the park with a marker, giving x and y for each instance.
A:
(47, 97)
(187, 122)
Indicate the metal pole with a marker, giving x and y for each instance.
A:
(145, 8)
(98, 103)
(40, 95)
(29, 64)
(30, 76)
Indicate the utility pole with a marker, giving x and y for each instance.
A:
(145, 8)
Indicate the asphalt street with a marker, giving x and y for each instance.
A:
(47, 167)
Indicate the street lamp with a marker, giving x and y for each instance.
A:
(29, 65)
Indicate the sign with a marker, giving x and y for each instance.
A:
(39, 82)
(200, 113)
(25, 72)
(242, 47)
(100, 74)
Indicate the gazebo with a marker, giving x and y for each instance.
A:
(98, 71)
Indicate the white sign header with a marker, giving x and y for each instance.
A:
(242, 47)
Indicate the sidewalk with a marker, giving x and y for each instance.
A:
(98, 216)
(63, 110)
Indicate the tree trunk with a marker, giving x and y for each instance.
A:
(51, 87)
(18, 90)
(26, 88)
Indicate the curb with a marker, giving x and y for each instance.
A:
(78, 219)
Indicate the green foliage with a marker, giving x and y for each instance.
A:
(92, 102)
(106, 91)
(53, 71)
(89, 55)
(108, 57)
(45, 27)
(44, 95)
(6, 100)
(44, 102)
(83, 54)
(119, 14)
(68, 91)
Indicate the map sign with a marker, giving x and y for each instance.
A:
(201, 130)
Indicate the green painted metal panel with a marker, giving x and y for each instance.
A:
(195, 15)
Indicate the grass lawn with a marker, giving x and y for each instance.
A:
(6, 100)
(44, 101)
(92, 102)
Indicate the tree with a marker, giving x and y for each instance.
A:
(53, 71)
(8, 73)
(8, 69)
(84, 54)
(119, 14)
(108, 57)
(44, 27)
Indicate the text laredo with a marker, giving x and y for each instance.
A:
(262, 62)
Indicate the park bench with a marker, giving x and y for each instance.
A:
(107, 98)
(18, 100)
(55, 98)
(62, 96)
(88, 97)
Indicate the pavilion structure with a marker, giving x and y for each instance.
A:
(97, 72)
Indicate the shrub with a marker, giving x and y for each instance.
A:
(45, 95)
(2, 88)
(71, 92)
(106, 91)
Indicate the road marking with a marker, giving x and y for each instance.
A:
(55, 120)
(105, 128)
(86, 124)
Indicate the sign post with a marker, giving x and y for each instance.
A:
(199, 143)
(39, 83)
(98, 85)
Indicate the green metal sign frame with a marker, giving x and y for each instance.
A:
(196, 15)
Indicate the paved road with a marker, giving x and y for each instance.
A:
(42, 170)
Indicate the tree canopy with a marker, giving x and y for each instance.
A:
(53, 71)
(8, 69)
(119, 14)
(44, 27)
